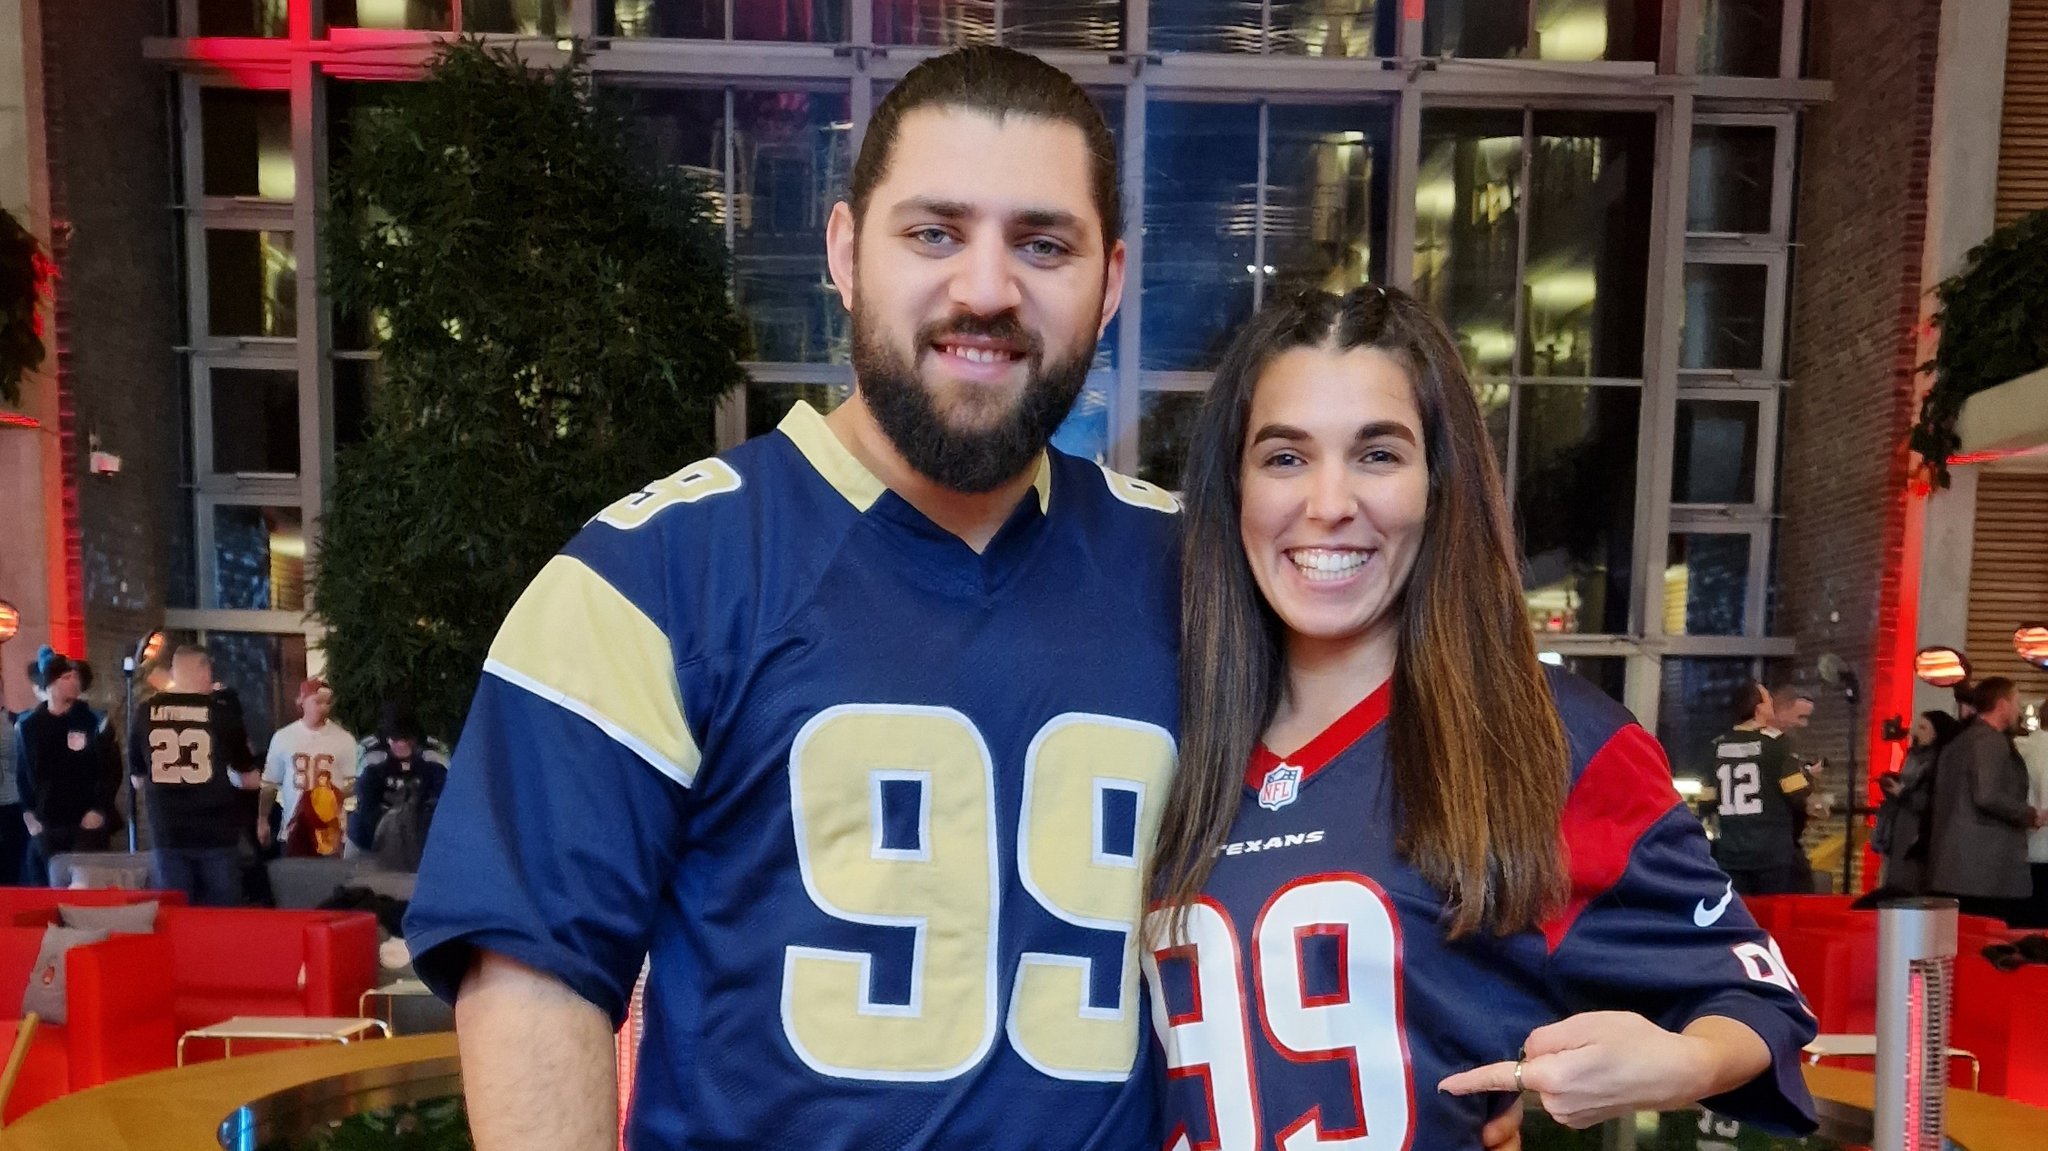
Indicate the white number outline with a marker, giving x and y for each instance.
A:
(1086, 965)
(864, 960)
(1741, 792)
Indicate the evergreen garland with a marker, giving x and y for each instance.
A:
(556, 331)
(1994, 328)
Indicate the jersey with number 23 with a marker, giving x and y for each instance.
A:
(879, 806)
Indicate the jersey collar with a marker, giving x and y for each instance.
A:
(849, 477)
(1334, 740)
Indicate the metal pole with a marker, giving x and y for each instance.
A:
(1916, 950)
(128, 733)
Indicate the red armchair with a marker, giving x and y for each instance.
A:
(256, 961)
(118, 1002)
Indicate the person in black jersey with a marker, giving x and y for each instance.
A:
(66, 769)
(1755, 791)
(189, 755)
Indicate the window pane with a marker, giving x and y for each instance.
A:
(1741, 37)
(1165, 422)
(355, 386)
(251, 284)
(805, 21)
(1714, 453)
(243, 18)
(1326, 196)
(678, 19)
(521, 17)
(1706, 583)
(1695, 706)
(1334, 28)
(793, 151)
(1609, 673)
(259, 558)
(768, 403)
(265, 671)
(1467, 195)
(1597, 29)
(1201, 208)
(681, 128)
(1489, 29)
(1085, 432)
(423, 15)
(1206, 26)
(1575, 459)
(247, 138)
(1724, 316)
(1589, 244)
(1729, 189)
(1081, 25)
(255, 421)
(937, 22)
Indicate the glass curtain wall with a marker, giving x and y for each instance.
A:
(1507, 160)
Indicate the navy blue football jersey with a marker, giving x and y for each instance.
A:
(876, 807)
(1315, 1000)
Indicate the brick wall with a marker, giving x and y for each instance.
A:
(118, 315)
(1855, 305)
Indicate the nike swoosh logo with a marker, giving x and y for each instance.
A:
(1704, 916)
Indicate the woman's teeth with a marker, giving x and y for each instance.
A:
(1321, 565)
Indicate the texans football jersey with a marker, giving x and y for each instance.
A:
(1314, 999)
(876, 807)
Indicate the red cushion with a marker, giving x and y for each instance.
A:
(47, 1073)
(19, 947)
(235, 951)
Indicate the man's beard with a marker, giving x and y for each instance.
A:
(977, 460)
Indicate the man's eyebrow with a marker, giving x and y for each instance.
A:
(1056, 218)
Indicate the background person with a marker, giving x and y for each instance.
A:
(189, 757)
(300, 753)
(1981, 813)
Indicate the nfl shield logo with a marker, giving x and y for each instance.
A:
(75, 740)
(1281, 785)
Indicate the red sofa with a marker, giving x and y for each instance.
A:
(118, 998)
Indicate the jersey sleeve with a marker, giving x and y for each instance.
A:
(563, 813)
(277, 761)
(1653, 926)
(1779, 765)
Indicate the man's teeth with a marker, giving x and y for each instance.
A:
(980, 355)
(1327, 564)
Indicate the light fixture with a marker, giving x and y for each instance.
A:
(1941, 666)
(10, 621)
(2031, 641)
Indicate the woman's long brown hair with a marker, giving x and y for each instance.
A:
(1480, 766)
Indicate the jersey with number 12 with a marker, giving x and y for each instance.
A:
(879, 805)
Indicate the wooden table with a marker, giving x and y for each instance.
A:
(181, 1109)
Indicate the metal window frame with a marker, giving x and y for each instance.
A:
(205, 545)
(1784, 168)
(1765, 480)
(209, 480)
(1407, 84)
(1776, 264)
(1756, 579)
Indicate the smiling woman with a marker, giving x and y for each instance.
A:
(1449, 865)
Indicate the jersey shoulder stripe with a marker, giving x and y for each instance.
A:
(575, 641)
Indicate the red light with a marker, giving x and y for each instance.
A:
(10, 621)
(1941, 666)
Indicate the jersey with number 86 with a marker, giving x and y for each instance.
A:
(880, 806)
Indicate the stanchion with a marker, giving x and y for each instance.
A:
(1916, 957)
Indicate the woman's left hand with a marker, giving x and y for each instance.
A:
(1589, 1068)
